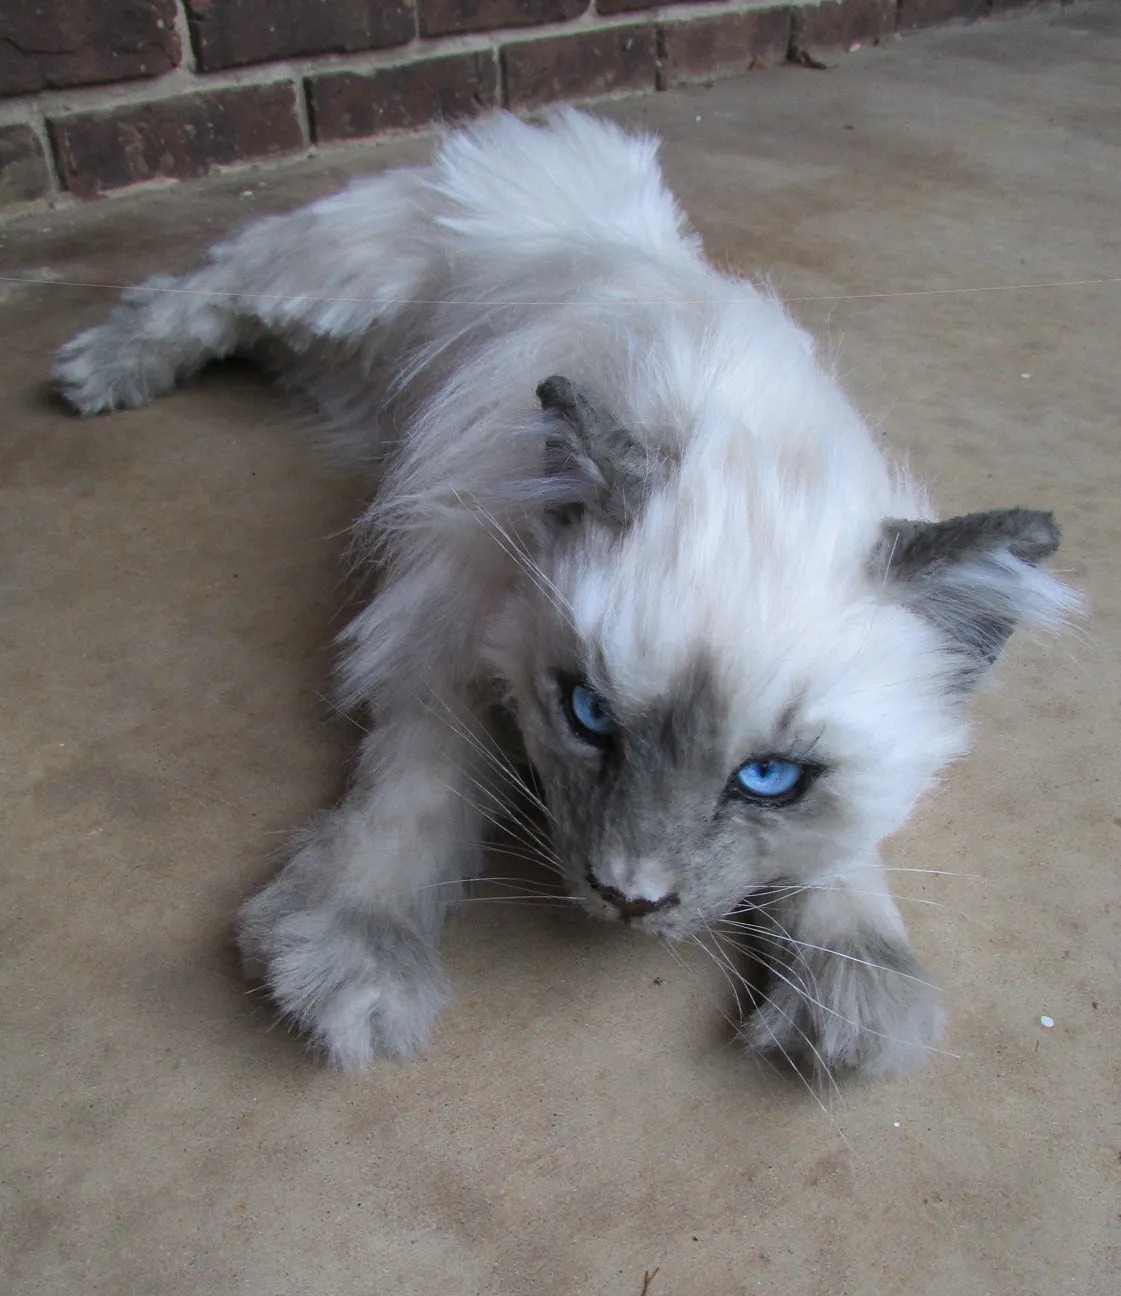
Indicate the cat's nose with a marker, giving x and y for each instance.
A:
(632, 906)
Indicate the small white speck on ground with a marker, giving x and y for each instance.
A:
(1046, 1022)
(1025, 375)
(895, 1124)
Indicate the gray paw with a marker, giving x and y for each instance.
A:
(119, 364)
(868, 1007)
(360, 985)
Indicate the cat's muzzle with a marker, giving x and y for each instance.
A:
(628, 907)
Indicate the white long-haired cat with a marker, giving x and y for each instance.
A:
(620, 502)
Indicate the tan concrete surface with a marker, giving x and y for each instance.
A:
(169, 588)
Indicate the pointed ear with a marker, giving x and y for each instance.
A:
(609, 468)
(974, 577)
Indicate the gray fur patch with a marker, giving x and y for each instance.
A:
(956, 574)
(591, 446)
(866, 1004)
(358, 982)
(910, 551)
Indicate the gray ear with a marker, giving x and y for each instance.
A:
(609, 467)
(974, 577)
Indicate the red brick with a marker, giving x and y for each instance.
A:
(626, 6)
(181, 137)
(584, 63)
(232, 33)
(446, 17)
(23, 166)
(50, 43)
(841, 22)
(350, 105)
(925, 13)
(722, 46)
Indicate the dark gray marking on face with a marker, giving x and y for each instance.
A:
(949, 572)
(661, 793)
(590, 446)
(654, 789)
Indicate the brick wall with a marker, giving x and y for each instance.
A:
(96, 95)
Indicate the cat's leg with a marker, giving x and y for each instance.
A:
(345, 937)
(845, 990)
(159, 333)
(325, 272)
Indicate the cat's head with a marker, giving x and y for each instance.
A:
(727, 682)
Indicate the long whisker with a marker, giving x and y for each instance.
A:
(734, 1022)
(541, 901)
(496, 759)
(534, 840)
(520, 555)
(509, 813)
(754, 991)
(530, 856)
(346, 715)
(791, 892)
(728, 1017)
(509, 774)
(531, 565)
(482, 743)
(484, 879)
(777, 1043)
(853, 958)
(800, 989)
(784, 941)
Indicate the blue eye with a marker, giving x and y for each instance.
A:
(771, 779)
(588, 714)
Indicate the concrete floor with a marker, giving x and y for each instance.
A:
(169, 589)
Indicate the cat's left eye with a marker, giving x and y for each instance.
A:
(588, 714)
(770, 780)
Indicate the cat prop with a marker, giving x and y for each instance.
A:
(621, 503)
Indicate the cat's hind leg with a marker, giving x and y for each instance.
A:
(325, 272)
(159, 333)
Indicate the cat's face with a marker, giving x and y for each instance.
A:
(731, 673)
(697, 737)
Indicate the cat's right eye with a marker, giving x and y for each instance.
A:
(588, 714)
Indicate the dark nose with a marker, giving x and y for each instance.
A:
(632, 907)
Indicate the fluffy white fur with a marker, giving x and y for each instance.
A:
(739, 595)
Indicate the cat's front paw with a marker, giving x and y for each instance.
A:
(358, 984)
(866, 1006)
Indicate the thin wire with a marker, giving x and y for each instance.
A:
(947, 292)
(422, 301)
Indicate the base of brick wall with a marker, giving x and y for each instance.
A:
(206, 89)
